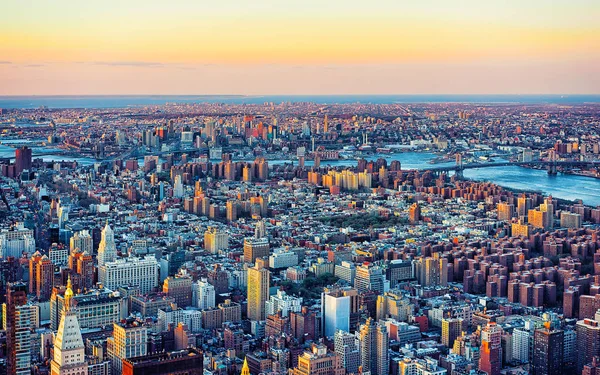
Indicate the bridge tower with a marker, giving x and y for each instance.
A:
(458, 170)
(552, 165)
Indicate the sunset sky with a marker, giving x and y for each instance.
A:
(299, 47)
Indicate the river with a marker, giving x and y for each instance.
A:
(563, 186)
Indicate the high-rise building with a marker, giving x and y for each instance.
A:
(23, 159)
(451, 329)
(107, 250)
(521, 339)
(548, 351)
(215, 240)
(140, 272)
(232, 208)
(203, 294)
(255, 248)
(432, 271)
(592, 368)
(588, 342)
(369, 277)
(346, 346)
(319, 362)
(129, 339)
(258, 289)
(374, 346)
(18, 335)
(179, 288)
(336, 309)
(69, 351)
(505, 211)
(83, 241)
(490, 357)
(414, 213)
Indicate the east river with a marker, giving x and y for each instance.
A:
(563, 186)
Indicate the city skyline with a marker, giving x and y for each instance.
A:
(385, 47)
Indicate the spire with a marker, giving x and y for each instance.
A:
(68, 294)
(245, 368)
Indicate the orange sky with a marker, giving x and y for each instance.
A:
(299, 47)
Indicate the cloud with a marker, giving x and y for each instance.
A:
(5, 62)
(34, 65)
(129, 63)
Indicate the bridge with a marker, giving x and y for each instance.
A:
(551, 165)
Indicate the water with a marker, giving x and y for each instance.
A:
(116, 101)
(563, 186)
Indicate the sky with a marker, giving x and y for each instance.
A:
(254, 47)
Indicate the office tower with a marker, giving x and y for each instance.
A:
(347, 349)
(18, 336)
(179, 288)
(23, 158)
(325, 125)
(505, 211)
(129, 339)
(319, 362)
(247, 173)
(107, 250)
(82, 264)
(258, 289)
(346, 271)
(255, 248)
(16, 241)
(178, 187)
(490, 360)
(369, 277)
(281, 302)
(232, 208)
(398, 271)
(215, 240)
(451, 329)
(374, 345)
(588, 342)
(230, 311)
(94, 308)
(188, 361)
(44, 278)
(548, 351)
(83, 241)
(336, 308)
(203, 294)
(140, 272)
(519, 229)
(69, 355)
(414, 213)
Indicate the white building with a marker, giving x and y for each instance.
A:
(336, 313)
(203, 294)
(285, 303)
(283, 259)
(107, 250)
(83, 241)
(58, 256)
(191, 318)
(140, 272)
(520, 349)
(178, 187)
(15, 241)
(346, 271)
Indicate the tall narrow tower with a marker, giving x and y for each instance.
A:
(258, 290)
(107, 250)
(69, 351)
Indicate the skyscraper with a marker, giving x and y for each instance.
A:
(129, 339)
(255, 248)
(490, 360)
(215, 240)
(369, 277)
(374, 345)
(18, 336)
(22, 159)
(588, 342)
(203, 294)
(107, 250)
(319, 362)
(69, 356)
(451, 329)
(346, 347)
(258, 289)
(548, 351)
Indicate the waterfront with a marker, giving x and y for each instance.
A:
(564, 186)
